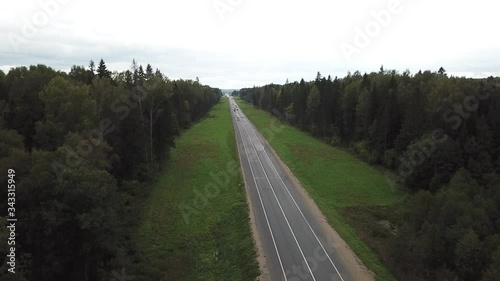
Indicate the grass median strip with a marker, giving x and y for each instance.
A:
(196, 223)
(333, 178)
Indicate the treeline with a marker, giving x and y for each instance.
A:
(441, 137)
(83, 145)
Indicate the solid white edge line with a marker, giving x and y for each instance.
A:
(308, 224)
(282, 211)
(262, 203)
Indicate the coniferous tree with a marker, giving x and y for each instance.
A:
(102, 70)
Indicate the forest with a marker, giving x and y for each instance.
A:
(85, 146)
(438, 138)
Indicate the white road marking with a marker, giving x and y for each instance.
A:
(262, 204)
(283, 212)
(308, 224)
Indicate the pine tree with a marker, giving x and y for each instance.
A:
(442, 71)
(92, 68)
(149, 71)
(102, 70)
(318, 76)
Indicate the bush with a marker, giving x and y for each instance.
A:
(361, 150)
(334, 141)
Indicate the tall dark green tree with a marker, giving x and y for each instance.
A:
(102, 70)
(3, 90)
(83, 147)
(149, 71)
(24, 107)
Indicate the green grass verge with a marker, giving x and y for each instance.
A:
(334, 179)
(215, 242)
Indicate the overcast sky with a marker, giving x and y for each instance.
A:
(241, 43)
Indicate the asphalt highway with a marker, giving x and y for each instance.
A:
(294, 243)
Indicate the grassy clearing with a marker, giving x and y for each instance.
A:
(336, 180)
(216, 243)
